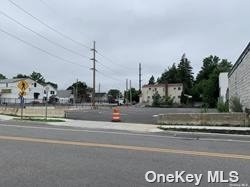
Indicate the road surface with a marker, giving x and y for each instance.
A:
(39, 155)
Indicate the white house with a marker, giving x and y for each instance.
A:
(51, 90)
(171, 90)
(64, 96)
(223, 86)
(239, 81)
(9, 92)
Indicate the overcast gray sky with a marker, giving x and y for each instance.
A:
(153, 32)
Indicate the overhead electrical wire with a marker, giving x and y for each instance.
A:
(40, 49)
(40, 35)
(48, 26)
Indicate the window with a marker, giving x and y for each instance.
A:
(179, 88)
(35, 84)
(36, 95)
(52, 92)
(174, 88)
(149, 88)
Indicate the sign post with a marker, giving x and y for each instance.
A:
(22, 85)
(46, 103)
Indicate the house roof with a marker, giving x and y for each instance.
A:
(153, 85)
(239, 60)
(162, 85)
(3, 81)
(63, 93)
(101, 94)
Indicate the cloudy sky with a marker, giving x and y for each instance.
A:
(153, 32)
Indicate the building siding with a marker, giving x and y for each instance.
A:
(239, 81)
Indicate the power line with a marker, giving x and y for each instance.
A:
(114, 63)
(103, 65)
(40, 35)
(48, 26)
(40, 49)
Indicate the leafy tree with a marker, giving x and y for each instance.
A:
(207, 81)
(19, 76)
(185, 74)
(156, 99)
(2, 76)
(80, 91)
(135, 95)
(151, 80)
(114, 94)
(37, 77)
(170, 75)
(52, 84)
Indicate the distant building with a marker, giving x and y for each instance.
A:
(64, 96)
(101, 97)
(171, 90)
(223, 86)
(239, 78)
(9, 92)
(52, 90)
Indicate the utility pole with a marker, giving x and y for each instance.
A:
(99, 91)
(126, 92)
(76, 91)
(140, 77)
(94, 70)
(130, 91)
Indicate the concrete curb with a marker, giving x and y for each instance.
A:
(209, 136)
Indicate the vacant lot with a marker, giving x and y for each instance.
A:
(128, 114)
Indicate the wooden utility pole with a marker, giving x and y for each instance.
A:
(94, 70)
(130, 91)
(140, 77)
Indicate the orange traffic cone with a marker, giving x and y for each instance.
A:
(116, 117)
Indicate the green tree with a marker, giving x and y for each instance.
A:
(135, 95)
(169, 76)
(151, 80)
(37, 77)
(114, 94)
(207, 81)
(52, 84)
(185, 74)
(80, 91)
(19, 76)
(2, 76)
(156, 99)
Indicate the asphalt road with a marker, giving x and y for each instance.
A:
(48, 156)
(128, 114)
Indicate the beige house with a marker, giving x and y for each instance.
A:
(239, 81)
(171, 90)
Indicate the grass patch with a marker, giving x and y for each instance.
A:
(220, 131)
(40, 119)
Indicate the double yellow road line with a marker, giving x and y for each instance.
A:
(126, 147)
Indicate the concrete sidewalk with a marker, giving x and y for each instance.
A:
(144, 128)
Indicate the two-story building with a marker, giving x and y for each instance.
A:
(172, 90)
(9, 91)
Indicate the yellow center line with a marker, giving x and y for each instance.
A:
(127, 147)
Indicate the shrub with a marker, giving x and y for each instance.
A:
(235, 104)
(222, 106)
(156, 99)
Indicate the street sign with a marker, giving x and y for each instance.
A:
(22, 85)
(22, 93)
